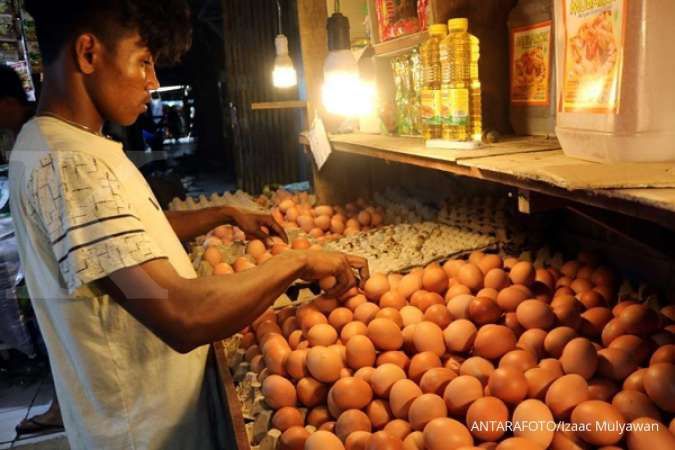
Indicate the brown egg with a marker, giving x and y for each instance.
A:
(579, 356)
(545, 278)
(602, 389)
(477, 367)
(459, 335)
(476, 256)
(594, 321)
(521, 360)
(350, 421)
(384, 377)
(483, 311)
(553, 365)
(455, 290)
(534, 411)
(325, 304)
(581, 285)
(538, 382)
(278, 392)
(352, 393)
(318, 416)
(434, 279)
(287, 417)
(470, 276)
(454, 362)
(522, 273)
(533, 340)
(664, 354)
(591, 412)
(634, 404)
(275, 356)
(392, 299)
(452, 266)
(493, 341)
(640, 320)
(649, 434)
(535, 314)
(293, 438)
(410, 284)
(322, 334)
(424, 299)
(385, 334)
(438, 314)
(444, 433)
(518, 443)
(394, 357)
(460, 393)
(311, 392)
(323, 440)
(357, 440)
(339, 317)
(615, 363)
(489, 411)
(496, 279)
(508, 384)
(557, 339)
(379, 413)
(429, 337)
(459, 306)
(567, 311)
(565, 393)
(414, 441)
(376, 286)
(311, 318)
(324, 364)
(398, 429)
(488, 293)
(401, 396)
(424, 409)
(366, 312)
(408, 335)
(411, 315)
(422, 362)
(634, 381)
(510, 297)
(591, 299)
(355, 301)
(365, 373)
(489, 262)
(435, 380)
(328, 426)
(384, 441)
(659, 383)
(295, 364)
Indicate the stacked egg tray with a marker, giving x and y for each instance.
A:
(395, 248)
(458, 355)
(238, 199)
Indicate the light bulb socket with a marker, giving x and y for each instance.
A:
(338, 32)
(281, 44)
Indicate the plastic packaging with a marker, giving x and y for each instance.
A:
(616, 62)
(396, 18)
(532, 68)
(431, 75)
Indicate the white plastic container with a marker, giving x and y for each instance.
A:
(616, 79)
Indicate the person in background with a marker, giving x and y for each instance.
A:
(126, 321)
(14, 112)
(14, 109)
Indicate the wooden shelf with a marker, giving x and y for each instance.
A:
(642, 190)
(231, 404)
(400, 44)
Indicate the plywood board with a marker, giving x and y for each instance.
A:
(414, 146)
(568, 173)
(659, 198)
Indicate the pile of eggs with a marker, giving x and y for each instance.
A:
(446, 357)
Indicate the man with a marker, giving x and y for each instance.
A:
(125, 320)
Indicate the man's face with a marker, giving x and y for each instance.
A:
(121, 82)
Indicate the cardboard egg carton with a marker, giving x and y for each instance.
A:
(238, 199)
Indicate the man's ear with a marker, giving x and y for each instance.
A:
(87, 51)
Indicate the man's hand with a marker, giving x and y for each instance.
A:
(321, 264)
(257, 224)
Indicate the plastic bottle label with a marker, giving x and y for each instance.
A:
(594, 43)
(445, 104)
(459, 106)
(431, 106)
(531, 64)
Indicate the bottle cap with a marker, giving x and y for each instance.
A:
(460, 23)
(438, 29)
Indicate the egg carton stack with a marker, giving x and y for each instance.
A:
(402, 207)
(238, 199)
(490, 215)
(398, 247)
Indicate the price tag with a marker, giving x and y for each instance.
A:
(319, 143)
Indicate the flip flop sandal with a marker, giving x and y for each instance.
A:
(35, 426)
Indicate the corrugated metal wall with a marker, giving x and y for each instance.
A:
(265, 142)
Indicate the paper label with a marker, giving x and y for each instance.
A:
(319, 143)
(431, 106)
(594, 44)
(459, 106)
(531, 64)
(445, 104)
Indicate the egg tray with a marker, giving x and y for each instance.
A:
(238, 199)
(395, 248)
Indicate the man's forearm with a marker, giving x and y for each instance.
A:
(189, 224)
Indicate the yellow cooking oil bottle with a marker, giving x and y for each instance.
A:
(460, 85)
(430, 97)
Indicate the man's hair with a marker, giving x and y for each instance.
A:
(10, 84)
(163, 25)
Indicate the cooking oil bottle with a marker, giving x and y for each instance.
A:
(430, 109)
(475, 109)
(457, 123)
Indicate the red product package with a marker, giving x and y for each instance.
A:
(397, 17)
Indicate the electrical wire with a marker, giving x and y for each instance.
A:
(279, 16)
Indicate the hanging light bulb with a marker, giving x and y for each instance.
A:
(343, 92)
(283, 75)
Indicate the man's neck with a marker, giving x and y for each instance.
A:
(67, 99)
